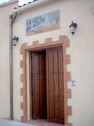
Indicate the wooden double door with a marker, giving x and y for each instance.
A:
(47, 85)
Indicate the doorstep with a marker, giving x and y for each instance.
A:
(43, 122)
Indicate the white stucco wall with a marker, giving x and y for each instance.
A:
(4, 61)
(81, 50)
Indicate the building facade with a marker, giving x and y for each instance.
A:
(5, 10)
(52, 69)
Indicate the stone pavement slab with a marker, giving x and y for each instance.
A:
(13, 123)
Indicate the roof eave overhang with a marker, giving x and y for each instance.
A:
(8, 3)
(20, 9)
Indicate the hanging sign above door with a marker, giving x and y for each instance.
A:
(42, 23)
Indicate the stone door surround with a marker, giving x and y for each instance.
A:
(64, 42)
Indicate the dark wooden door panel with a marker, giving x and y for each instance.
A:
(61, 84)
(35, 80)
(53, 109)
(50, 84)
(39, 85)
(55, 85)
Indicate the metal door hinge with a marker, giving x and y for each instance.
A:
(31, 57)
(32, 93)
(31, 75)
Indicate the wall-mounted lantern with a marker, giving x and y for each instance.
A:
(73, 27)
(15, 40)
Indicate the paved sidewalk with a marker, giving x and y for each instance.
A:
(13, 123)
